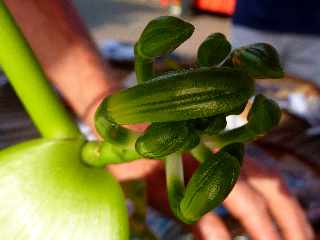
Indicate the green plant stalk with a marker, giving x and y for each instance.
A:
(240, 134)
(143, 68)
(262, 117)
(160, 37)
(175, 181)
(30, 83)
(99, 154)
(201, 152)
(210, 184)
(191, 94)
(213, 50)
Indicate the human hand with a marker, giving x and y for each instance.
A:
(260, 201)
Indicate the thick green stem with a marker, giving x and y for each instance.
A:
(143, 68)
(175, 182)
(236, 135)
(202, 152)
(29, 82)
(99, 154)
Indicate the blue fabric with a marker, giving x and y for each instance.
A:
(287, 16)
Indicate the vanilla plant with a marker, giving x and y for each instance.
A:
(56, 187)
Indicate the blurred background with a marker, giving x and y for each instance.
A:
(124, 20)
(293, 147)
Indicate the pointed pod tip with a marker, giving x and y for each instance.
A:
(260, 60)
(213, 50)
(161, 36)
(264, 115)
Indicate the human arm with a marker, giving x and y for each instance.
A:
(66, 51)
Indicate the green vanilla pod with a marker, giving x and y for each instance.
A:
(210, 184)
(264, 115)
(213, 50)
(99, 154)
(178, 96)
(162, 139)
(260, 60)
(161, 36)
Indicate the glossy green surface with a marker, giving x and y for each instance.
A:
(47, 193)
(213, 50)
(143, 68)
(264, 115)
(186, 106)
(162, 139)
(260, 60)
(179, 96)
(161, 36)
(210, 184)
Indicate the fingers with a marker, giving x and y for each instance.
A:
(284, 207)
(134, 170)
(210, 227)
(251, 209)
